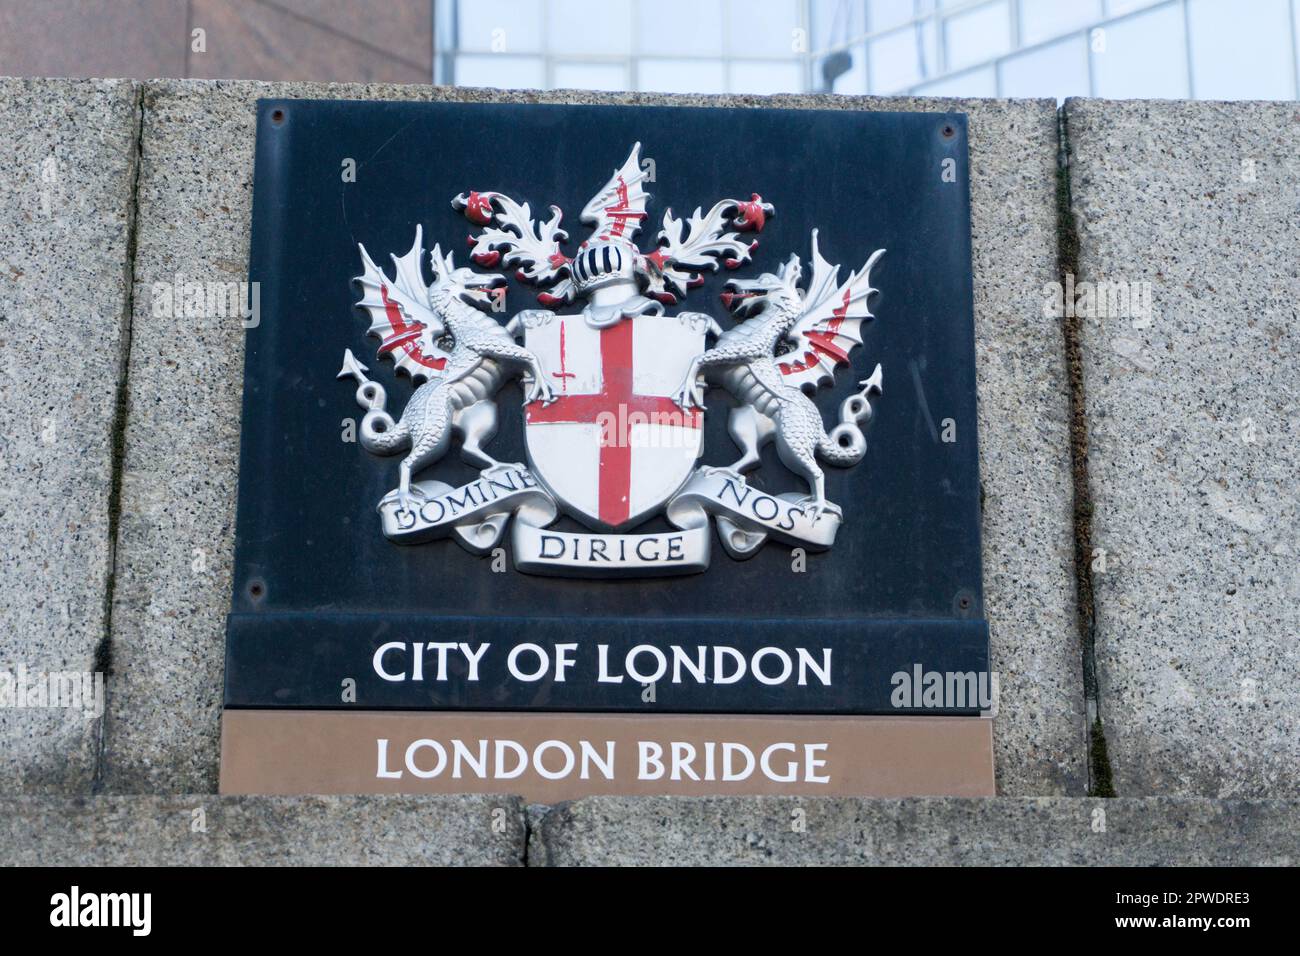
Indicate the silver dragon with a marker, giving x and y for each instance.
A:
(437, 334)
(819, 326)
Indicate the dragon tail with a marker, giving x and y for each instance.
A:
(380, 435)
(846, 445)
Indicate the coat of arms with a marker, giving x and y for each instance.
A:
(614, 391)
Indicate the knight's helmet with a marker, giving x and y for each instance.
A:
(602, 262)
(615, 213)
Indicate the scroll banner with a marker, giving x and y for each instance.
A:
(539, 551)
(747, 517)
(475, 514)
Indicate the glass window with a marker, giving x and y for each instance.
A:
(679, 27)
(499, 26)
(977, 35)
(1059, 70)
(836, 22)
(1142, 56)
(603, 27)
(980, 82)
(1116, 8)
(509, 72)
(1241, 51)
(900, 59)
(766, 76)
(1043, 19)
(892, 13)
(681, 76)
(589, 76)
(762, 29)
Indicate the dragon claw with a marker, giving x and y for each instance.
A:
(540, 392)
(725, 470)
(409, 501)
(814, 508)
(689, 396)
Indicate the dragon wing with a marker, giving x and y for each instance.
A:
(400, 317)
(831, 324)
(617, 210)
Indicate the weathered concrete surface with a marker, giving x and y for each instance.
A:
(1194, 458)
(930, 831)
(205, 830)
(1028, 537)
(201, 829)
(182, 436)
(65, 216)
(1039, 733)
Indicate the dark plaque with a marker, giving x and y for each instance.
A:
(625, 409)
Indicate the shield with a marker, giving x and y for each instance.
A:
(614, 445)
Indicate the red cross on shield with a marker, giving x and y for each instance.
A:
(614, 445)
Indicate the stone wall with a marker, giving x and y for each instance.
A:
(204, 830)
(66, 218)
(1192, 414)
(120, 442)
